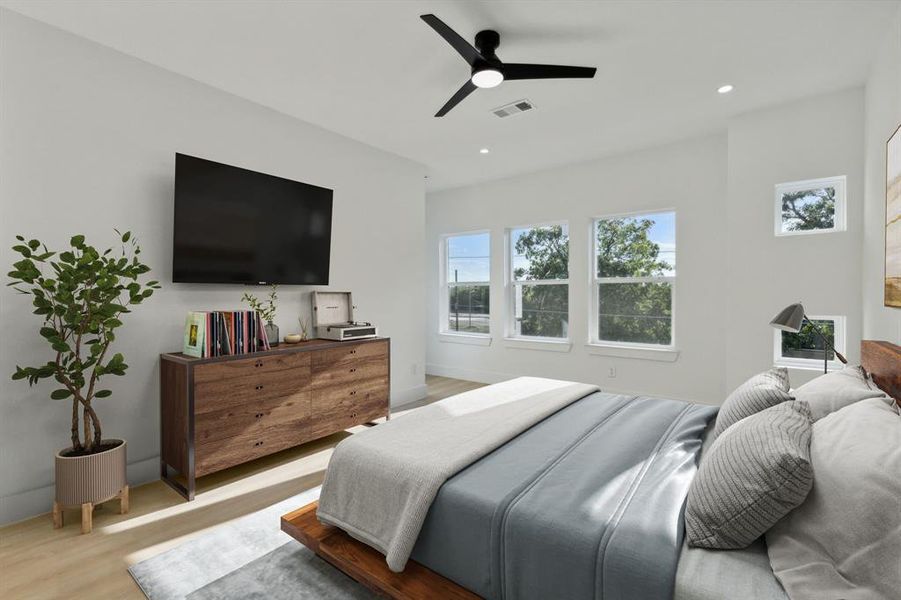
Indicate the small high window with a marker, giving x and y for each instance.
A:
(812, 206)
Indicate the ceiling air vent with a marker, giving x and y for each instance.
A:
(513, 108)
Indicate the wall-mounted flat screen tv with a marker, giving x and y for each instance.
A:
(238, 226)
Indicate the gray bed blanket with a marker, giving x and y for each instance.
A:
(381, 482)
(586, 504)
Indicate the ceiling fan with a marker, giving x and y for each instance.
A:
(487, 69)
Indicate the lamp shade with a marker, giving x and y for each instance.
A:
(789, 318)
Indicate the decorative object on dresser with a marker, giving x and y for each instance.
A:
(333, 317)
(266, 310)
(81, 301)
(222, 411)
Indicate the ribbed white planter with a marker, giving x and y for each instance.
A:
(89, 480)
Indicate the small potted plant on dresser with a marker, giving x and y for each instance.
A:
(80, 295)
(266, 310)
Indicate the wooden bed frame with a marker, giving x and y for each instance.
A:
(882, 360)
(367, 566)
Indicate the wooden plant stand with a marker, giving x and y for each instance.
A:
(365, 564)
(87, 511)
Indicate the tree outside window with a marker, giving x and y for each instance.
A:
(540, 271)
(634, 275)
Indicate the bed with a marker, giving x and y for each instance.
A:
(532, 518)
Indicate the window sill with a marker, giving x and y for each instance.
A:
(804, 365)
(472, 339)
(527, 343)
(664, 354)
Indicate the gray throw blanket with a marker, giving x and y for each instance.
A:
(381, 482)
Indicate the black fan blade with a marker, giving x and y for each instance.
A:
(466, 50)
(464, 91)
(522, 71)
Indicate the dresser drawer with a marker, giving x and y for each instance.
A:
(210, 396)
(256, 416)
(216, 455)
(340, 407)
(244, 367)
(349, 355)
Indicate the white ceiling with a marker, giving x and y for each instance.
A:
(373, 71)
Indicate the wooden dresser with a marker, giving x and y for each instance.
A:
(219, 412)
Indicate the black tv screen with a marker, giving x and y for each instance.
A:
(238, 226)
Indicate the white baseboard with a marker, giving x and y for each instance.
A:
(31, 503)
(401, 397)
(477, 375)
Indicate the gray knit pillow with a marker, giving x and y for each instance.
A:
(756, 394)
(754, 474)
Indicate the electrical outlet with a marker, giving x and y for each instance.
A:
(611, 372)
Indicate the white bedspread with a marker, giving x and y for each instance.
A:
(381, 482)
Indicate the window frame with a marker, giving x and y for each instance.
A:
(594, 282)
(510, 285)
(814, 364)
(444, 286)
(840, 219)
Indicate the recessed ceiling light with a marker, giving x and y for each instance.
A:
(483, 151)
(725, 89)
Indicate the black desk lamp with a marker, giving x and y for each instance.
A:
(792, 318)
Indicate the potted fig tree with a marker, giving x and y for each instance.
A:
(80, 295)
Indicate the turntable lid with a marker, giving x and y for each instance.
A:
(330, 308)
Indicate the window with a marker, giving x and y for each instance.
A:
(466, 277)
(804, 350)
(813, 206)
(539, 281)
(634, 269)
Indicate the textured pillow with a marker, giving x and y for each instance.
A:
(754, 474)
(844, 541)
(756, 394)
(831, 392)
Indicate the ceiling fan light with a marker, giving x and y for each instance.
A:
(487, 78)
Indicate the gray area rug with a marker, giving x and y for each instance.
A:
(248, 558)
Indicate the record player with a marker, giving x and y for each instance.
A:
(333, 318)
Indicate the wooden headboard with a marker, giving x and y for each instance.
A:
(883, 361)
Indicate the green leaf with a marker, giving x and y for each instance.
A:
(62, 347)
(103, 393)
(60, 394)
(77, 241)
(126, 236)
(34, 244)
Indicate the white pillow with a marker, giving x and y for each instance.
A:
(844, 541)
(833, 391)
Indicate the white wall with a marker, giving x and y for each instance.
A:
(689, 176)
(88, 144)
(809, 139)
(734, 274)
(883, 116)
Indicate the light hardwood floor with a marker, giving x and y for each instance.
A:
(38, 562)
